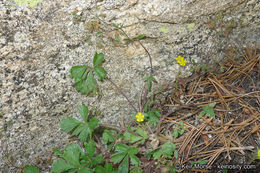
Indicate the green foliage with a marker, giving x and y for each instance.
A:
(107, 136)
(123, 154)
(166, 150)
(75, 160)
(208, 110)
(106, 169)
(139, 37)
(178, 130)
(31, 169)
(133, 138)
(83, 75)
(153, 117)
(149, 80)
(81, 129)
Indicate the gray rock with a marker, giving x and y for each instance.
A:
(38, 46)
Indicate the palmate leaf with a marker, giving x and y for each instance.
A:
(98, 59)
(153, 117)
(108, 168)
(90, 148)
(60, 166)
(83, 111)
(167, 149)
(131, 137)
(107, 136)
(123, 167)
(79, 72)
(100, 72)
(31, 169)
(69, 123)
(81, 129)
(72, 154)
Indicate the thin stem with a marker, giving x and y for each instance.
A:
(143, 99)
(121, 92)
(150, 58)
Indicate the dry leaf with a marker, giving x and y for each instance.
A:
(206, 139)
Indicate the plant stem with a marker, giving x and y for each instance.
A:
(121, 92)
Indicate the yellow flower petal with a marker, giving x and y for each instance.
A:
(139, 117)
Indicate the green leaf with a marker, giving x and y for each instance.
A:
(85, 133)
(93, 122)
(202, 113)
(175, 133)
(176, 154)
(143, 134)
(100, 169)
(202, 162)
(150, 153)
(139, 37)
(210, 113)
(116, 158)
(90, 148)
(117, 38)
(98, 59)
(212, 104)
(181, 124)
(85, 170)
(83, 110)
(81, 86)
(91, 83)
(79, 72)
(181, 131)
(121, 147)
(123, 167)
(115, 25)
(134, 160)
(149, 80)
(57, 152)
(71, 155)
(132, 150)
(31, 169)
(153, 117)
(97, 160)
(131, 137)
(100, 72)
(78, 130)
(68, 124)
(60, 166)
(107, 136)
(168, 149)
(108, 167)
(136, 170)
(157, 154)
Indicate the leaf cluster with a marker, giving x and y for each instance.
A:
(208, 110)
(179, 130)
(83, 75)
(81, 129)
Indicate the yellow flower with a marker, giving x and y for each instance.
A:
(258, 154)
(179, 58)
(139, 117)
(181, 61)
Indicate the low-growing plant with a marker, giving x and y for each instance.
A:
(208, 110)
(179, 130)
(116, 149)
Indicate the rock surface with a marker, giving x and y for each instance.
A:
(38, 46)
